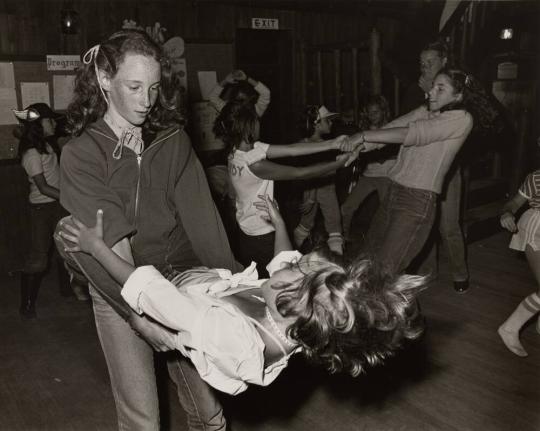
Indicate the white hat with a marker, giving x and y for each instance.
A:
(325, 113)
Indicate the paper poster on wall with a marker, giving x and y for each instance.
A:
(8, 101)
(203, 116)
(63, 86)
(207, 82)
(7, 76)
(34, 92)
(174, 49)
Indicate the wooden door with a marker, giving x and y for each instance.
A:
(266, 56)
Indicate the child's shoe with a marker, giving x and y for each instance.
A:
(335, 243)
(511, 340)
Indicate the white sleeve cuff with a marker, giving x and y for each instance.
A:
(136, 284)
(282, 258)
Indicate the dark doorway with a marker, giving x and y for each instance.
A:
(266, 56)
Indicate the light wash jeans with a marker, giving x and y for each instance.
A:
(324, 197)
(130, 361)
(401, 226)
(450, 232)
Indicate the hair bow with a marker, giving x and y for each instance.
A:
(91, 54)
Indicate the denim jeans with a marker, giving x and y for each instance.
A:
(130, 361)
(401, 226)
(43, 219)
(326, 199)
(450, 232)
(364, 187)
(256, 248)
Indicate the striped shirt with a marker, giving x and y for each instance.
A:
(530, 189)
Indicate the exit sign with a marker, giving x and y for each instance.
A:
(265, 23)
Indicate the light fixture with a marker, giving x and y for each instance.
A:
(69, 20)
(507, 33)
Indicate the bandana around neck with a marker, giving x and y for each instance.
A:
(130, 137)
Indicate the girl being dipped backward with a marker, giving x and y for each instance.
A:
(239, 330)
(252, 175)
(430, 138)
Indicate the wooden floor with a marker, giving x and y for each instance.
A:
(459, 377)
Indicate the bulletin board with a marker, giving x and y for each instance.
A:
(28, 72)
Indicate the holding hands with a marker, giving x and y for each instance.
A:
(350, 147)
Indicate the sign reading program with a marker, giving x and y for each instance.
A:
(63, 62)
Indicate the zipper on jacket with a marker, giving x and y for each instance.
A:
(139, 159)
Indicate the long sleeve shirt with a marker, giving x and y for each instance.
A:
(222, 342)
(431, 144)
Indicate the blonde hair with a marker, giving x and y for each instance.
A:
(351, 316)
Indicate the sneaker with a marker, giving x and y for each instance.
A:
(461, 286)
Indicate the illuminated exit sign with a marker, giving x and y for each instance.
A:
(265, 23)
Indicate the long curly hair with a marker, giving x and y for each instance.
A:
(475, 100)
(89, 103)
(30, 135)
(236, 122)
(351, 317)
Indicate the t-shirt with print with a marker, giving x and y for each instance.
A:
(248, 187)
(530, 189)
(34, 164)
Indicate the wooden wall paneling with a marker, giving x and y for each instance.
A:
(463, 44)
(355, 78)
(337, 78)
(4, 35)
(319, 77)
(187, 20)
(219, 23)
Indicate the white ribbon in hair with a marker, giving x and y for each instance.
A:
(26, 114)
(90, 57)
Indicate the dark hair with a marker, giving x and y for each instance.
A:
(241, 92)
(30, 135)
(377, 100)
(440, 46)
(308, 120)
(89, 104)
(353, 316)
(235, 123)
(475, 100)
